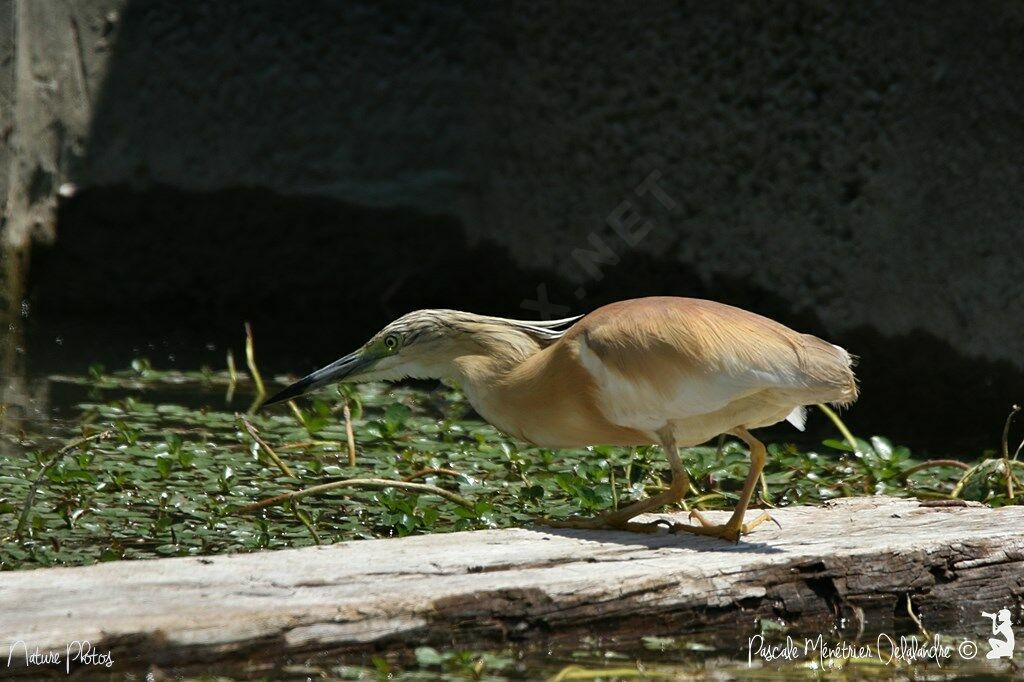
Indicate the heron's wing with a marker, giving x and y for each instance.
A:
(675, 358)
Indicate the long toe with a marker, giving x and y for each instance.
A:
(724, 531)
(589, 522)
(730, 533)
(650, 527)
(606, 523)
(694, 514)
(747, 527)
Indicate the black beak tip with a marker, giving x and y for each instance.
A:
(293, 391)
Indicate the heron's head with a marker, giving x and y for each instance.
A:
(427, 344)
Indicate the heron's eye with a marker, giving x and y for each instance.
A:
(391, 341)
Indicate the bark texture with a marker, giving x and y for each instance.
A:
(860, 559)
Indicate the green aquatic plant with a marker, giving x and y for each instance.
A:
(178, 472)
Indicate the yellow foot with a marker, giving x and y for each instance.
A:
(731, 532)
(605, 522)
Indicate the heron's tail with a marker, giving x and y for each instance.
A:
(831, 369)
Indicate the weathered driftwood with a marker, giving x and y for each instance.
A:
(857, 558)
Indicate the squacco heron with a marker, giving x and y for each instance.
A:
(670, 371)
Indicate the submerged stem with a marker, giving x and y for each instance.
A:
(250, 360)
(350, 435)
(934, 463)
(831, 414)
(232, 376)
(372, 483)
(57, 456)
(266, 448)
(1010, 478)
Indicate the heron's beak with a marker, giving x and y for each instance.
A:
(348, 366)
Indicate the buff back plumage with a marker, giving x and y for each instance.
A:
(699, 367)
(661, 340)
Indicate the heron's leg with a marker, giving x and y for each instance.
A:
(619, 518)
(734, 527)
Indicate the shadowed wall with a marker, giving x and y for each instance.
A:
(852, 169)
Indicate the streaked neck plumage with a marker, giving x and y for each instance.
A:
(492, 352)
(534, 389)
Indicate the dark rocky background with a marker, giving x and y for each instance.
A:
(852, 169)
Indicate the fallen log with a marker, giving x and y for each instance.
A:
(865, 560)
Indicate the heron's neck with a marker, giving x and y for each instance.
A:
(545, 398)
(478, 371)
(494, 354)
(483, 379)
